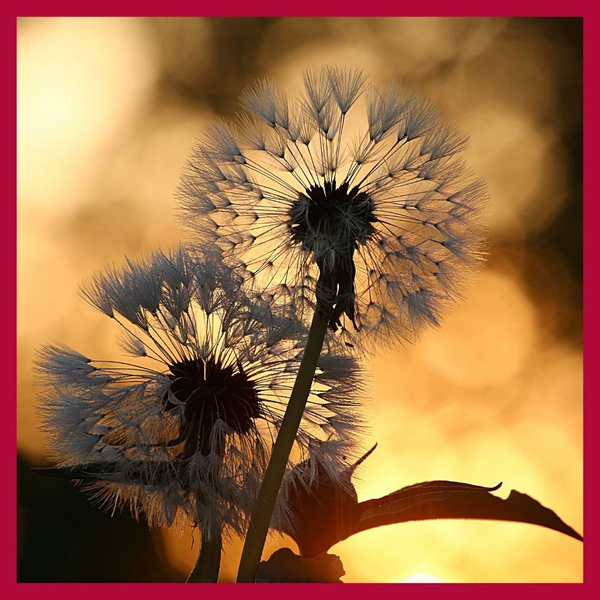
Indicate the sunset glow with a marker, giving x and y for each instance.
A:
(421, 578)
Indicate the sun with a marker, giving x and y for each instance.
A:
(421, 578)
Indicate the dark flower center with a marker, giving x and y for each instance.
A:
(341, 215)
(330, 222)
(209, 392)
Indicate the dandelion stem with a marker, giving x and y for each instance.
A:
(206, 569)
(267, 496)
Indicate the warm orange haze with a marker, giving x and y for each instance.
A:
(108, 109)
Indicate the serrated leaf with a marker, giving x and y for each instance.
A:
(453, 500)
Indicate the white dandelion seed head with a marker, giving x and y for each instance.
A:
(378, 226)
(182, 426)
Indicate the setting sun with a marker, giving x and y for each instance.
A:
(421, 578)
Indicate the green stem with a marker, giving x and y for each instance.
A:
(267, 496)
(206, 569)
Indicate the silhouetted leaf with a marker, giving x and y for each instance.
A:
(453, 500)
(324, 513)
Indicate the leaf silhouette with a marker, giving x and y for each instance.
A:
(454, 500)
(325, 513)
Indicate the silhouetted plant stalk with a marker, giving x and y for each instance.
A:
(267, 496)
(208, 563)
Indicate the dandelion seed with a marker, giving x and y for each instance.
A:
(183, 428)
(381, 230)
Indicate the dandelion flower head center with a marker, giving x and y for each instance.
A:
(210, 392)
(329, 213)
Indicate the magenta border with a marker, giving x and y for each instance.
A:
(522, 8)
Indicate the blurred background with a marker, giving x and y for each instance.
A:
(108, 109)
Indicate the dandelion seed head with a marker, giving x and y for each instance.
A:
(181, 427)
(379, 229)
